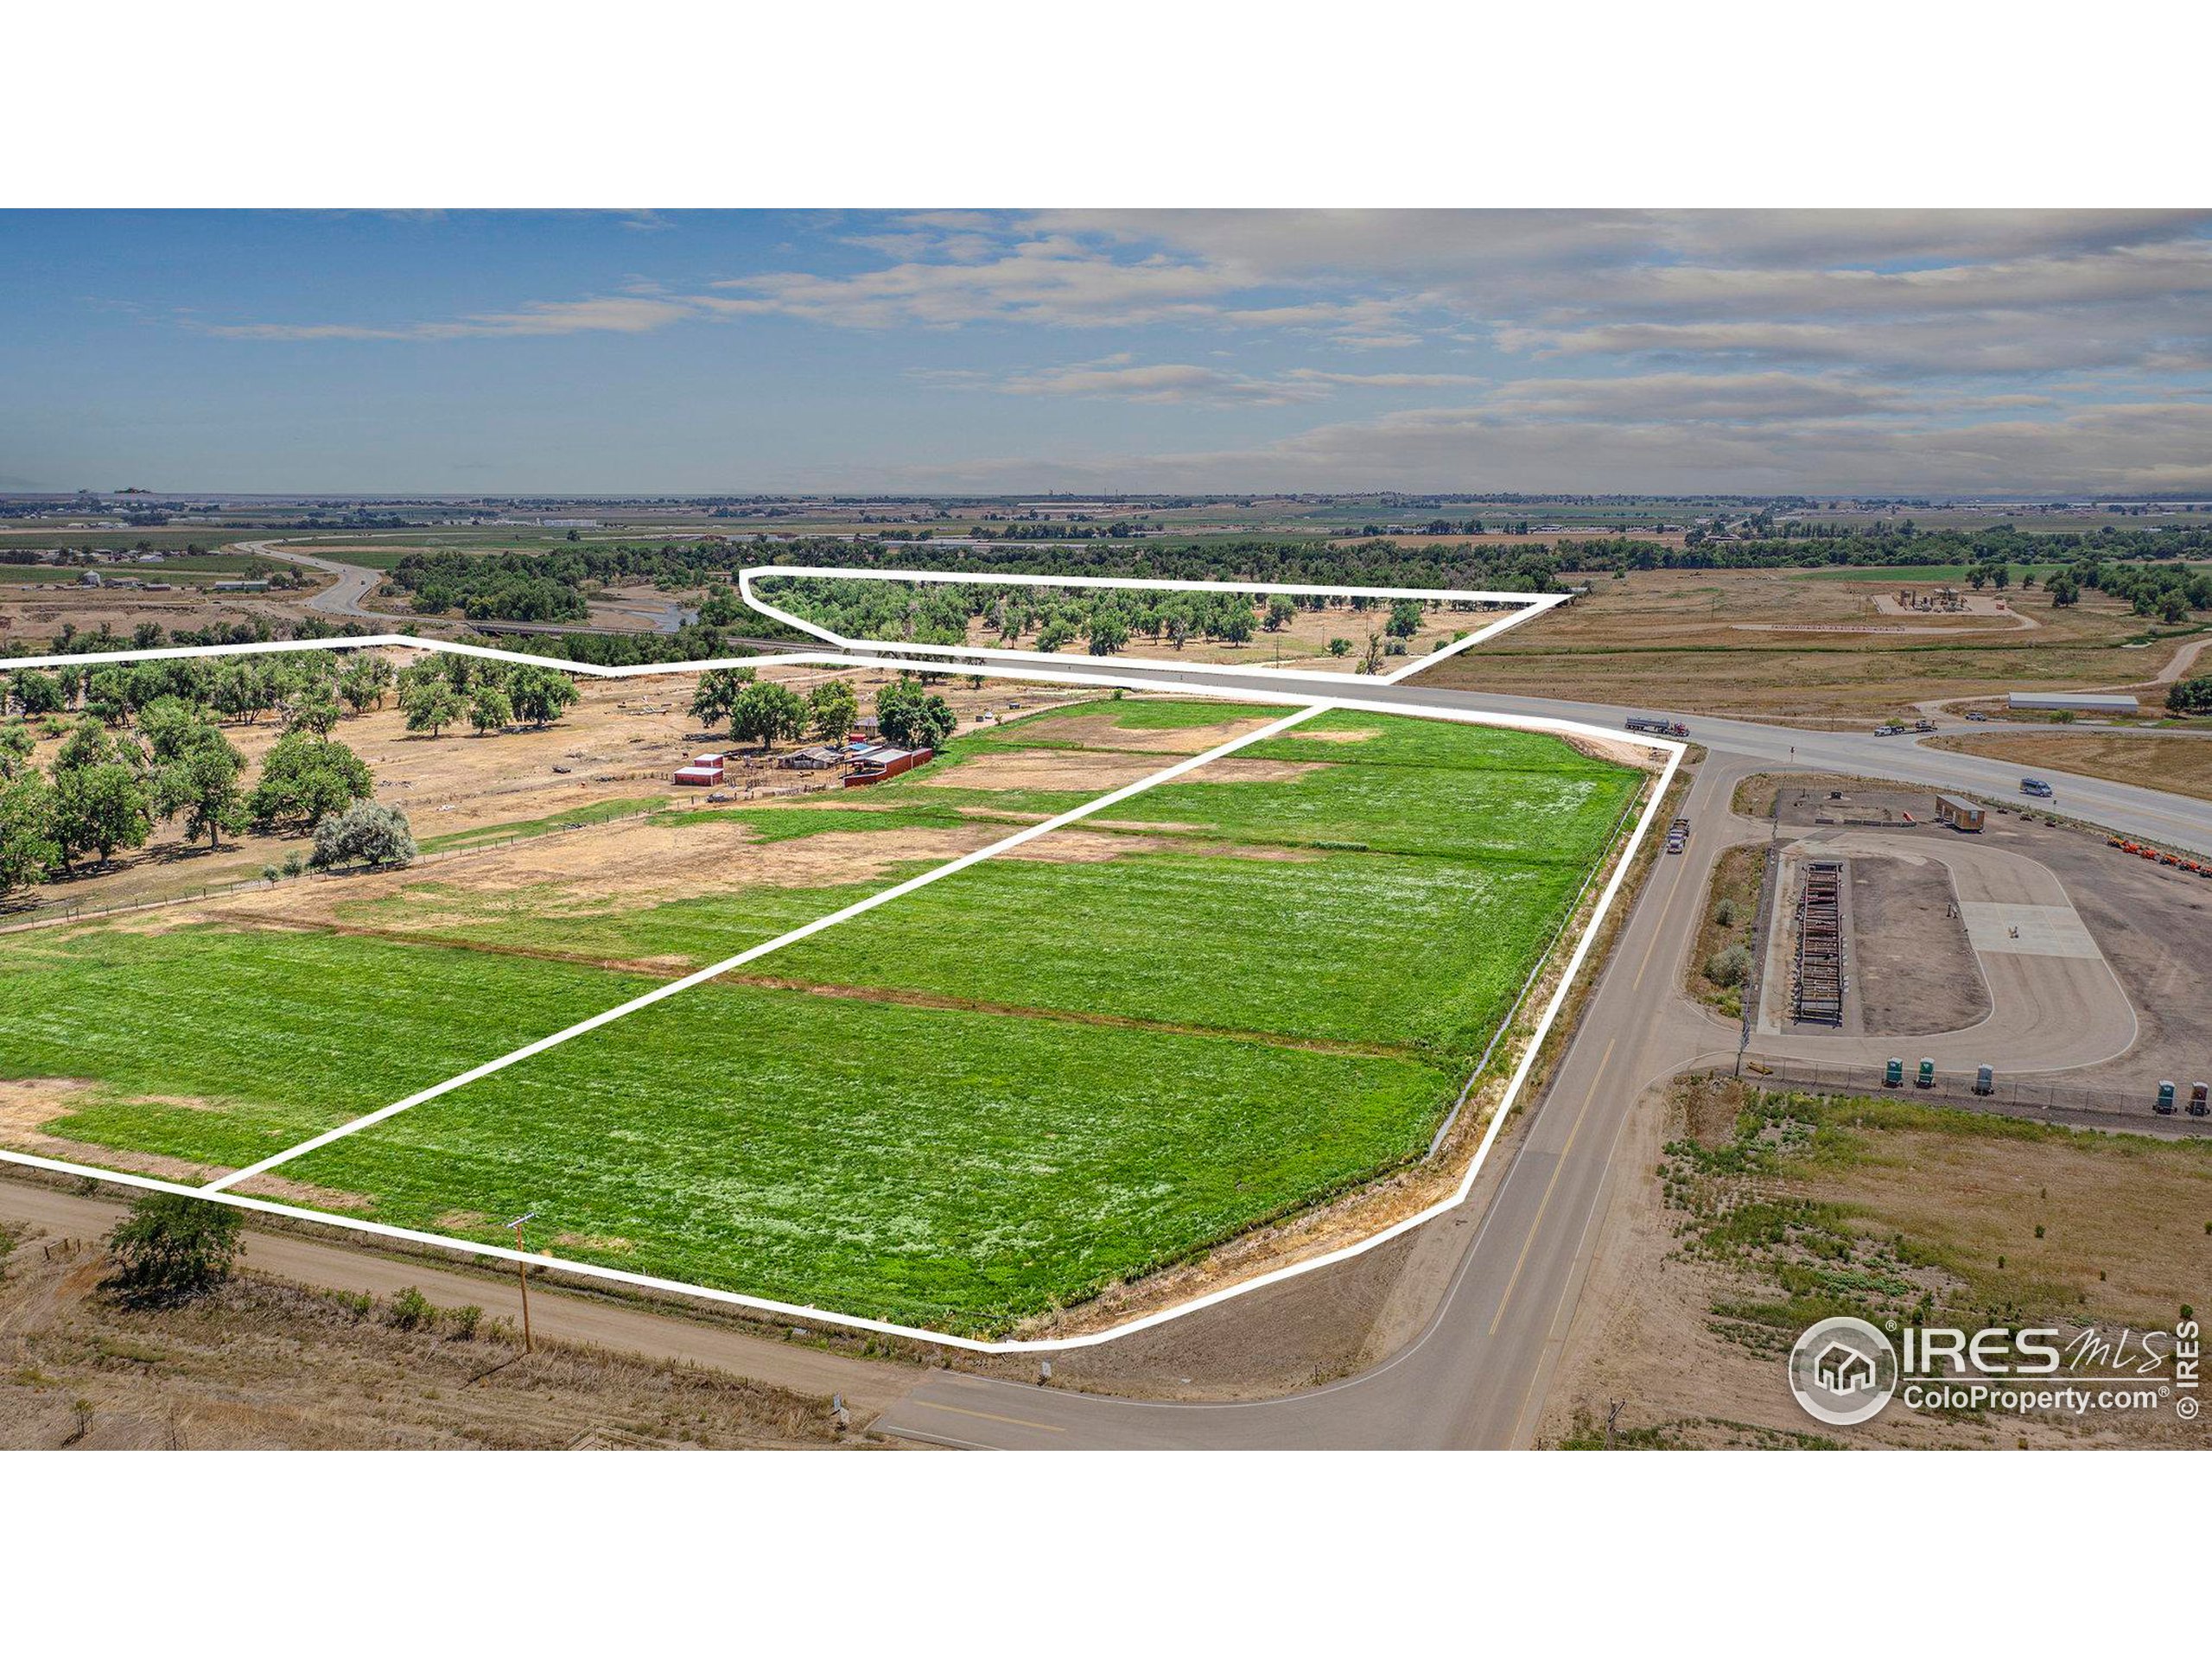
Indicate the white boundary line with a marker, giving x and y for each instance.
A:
(1524, 606)
(662, 993)
(1672, 749)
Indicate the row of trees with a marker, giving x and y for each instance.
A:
(107, 789)
(1101, 622)
(442, 691)
(147, 747)
(765, 713)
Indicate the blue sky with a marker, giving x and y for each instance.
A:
(692, 352)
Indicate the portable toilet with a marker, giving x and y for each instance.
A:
(2198, 1103)
(1927, 1078)
(1893, 1074)
(1985, 1080)
(2166, 1097)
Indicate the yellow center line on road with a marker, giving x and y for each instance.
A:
(1536, 1226)
(990, 1417)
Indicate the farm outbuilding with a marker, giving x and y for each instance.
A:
(821, 758)
(873, 765)
(2073, 702)
(704, 770)
(1959, 812)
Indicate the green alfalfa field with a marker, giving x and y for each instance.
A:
(985, 1100)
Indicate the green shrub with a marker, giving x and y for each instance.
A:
(1730, 967)
(170, 1248)
(464, 1321)
(1724, 913)
(411, 1309)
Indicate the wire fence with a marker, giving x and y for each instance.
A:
(2124, 1104)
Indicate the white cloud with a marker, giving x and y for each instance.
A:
(624, 315)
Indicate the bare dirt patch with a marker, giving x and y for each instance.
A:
(1046, 769)
(1073, 846)
(1916, 967)
(1069, 769)
(1098, 731)
(29, 1104)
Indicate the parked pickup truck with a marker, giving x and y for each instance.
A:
(1678, 834)
(1887, 731)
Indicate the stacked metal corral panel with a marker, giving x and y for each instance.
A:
(1820, 944)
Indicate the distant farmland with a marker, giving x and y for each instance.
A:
(1256, 986)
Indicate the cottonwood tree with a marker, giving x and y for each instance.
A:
(312, 708)
(28, 845)
(489, 710)
(364, 684)
(540, 696)
(913, 718)
(431, 705)
(200, 780)
(767, 712)
(37, 693)
(305, 779)
(717, 693)
(15, 745)
(831, 709)
(101, 809)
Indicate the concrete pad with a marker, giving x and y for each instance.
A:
(2028, 931)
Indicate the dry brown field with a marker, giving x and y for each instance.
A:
(2179, 763)
(1781, 646)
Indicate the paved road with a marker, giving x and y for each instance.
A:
(2173, 819)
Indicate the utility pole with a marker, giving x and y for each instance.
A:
(522, 1278)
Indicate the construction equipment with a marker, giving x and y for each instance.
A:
(1926, 1079)
(1924, 725)
(2165, 1106)
(1820, 944)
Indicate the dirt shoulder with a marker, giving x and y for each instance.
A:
(263, 1363)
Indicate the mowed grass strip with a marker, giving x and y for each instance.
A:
(954, 1169)
(272, 1036)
